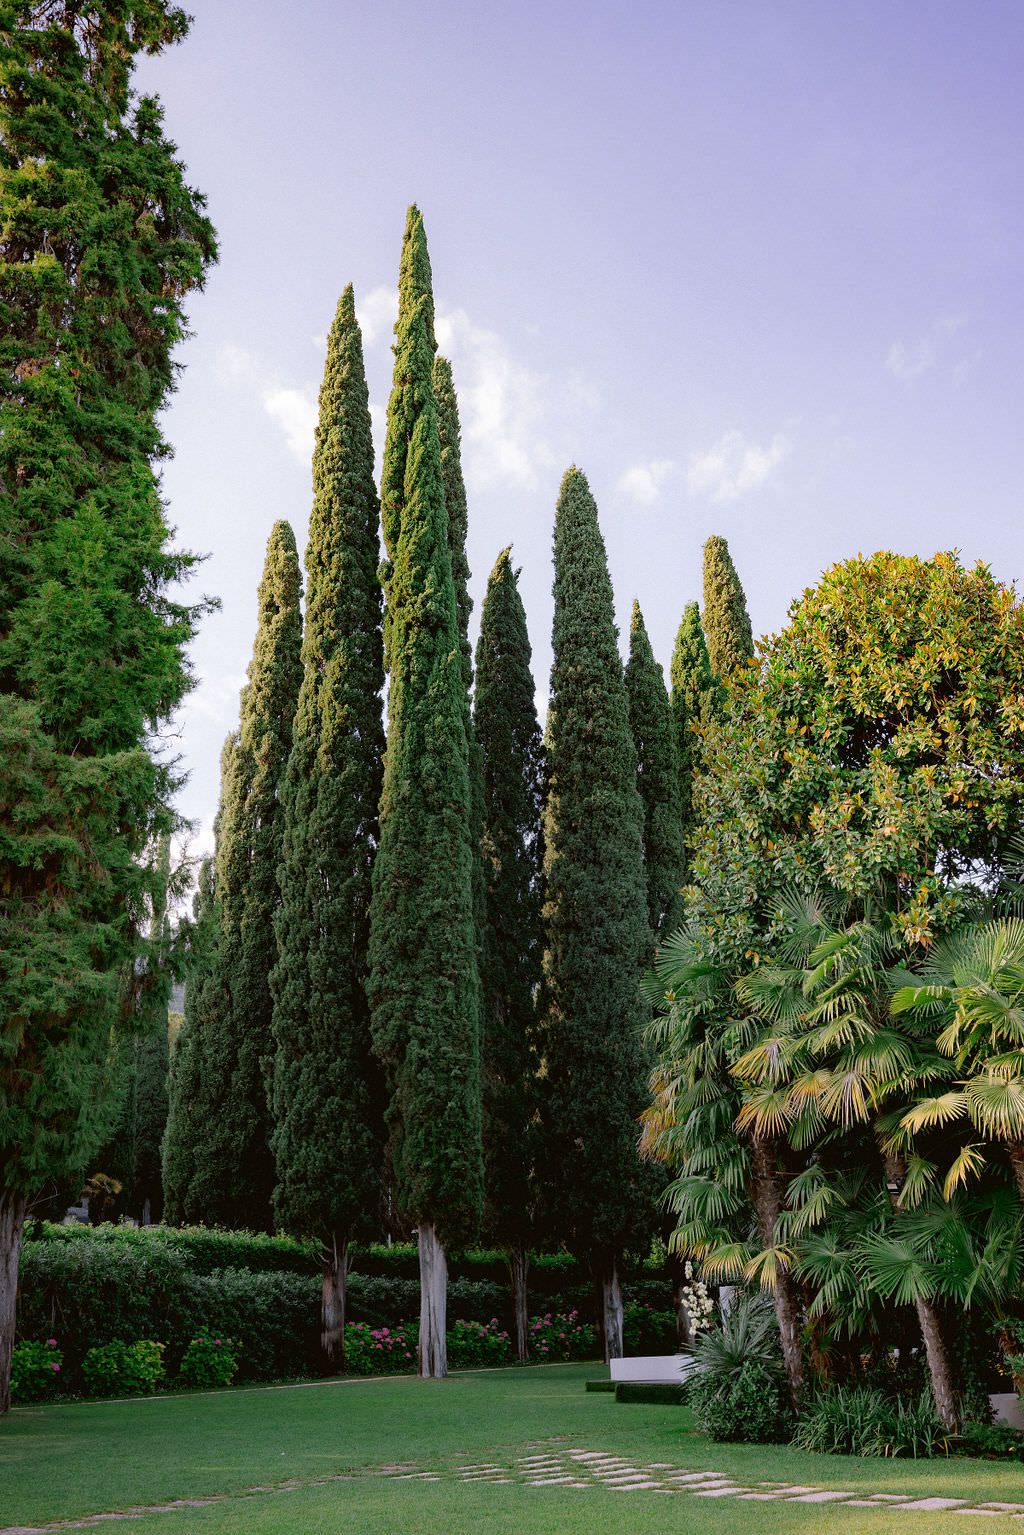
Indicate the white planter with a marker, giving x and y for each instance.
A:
(1006, 1407)
(653, 1367)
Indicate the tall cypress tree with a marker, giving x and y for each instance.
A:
(509, 740)
(650, 718)
(232, 1178)
(101, 242)
(424, 983)
(694, 700)
(327, 1137)
(730, 640)
(597, 932)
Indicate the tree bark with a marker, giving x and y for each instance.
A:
(518, 1267)
(432, 1350)
(938, 1366)
(611, 1295)
(12, 1222)
(1016, 1150)
(334, 1261)
(939, 1370)
(767, 1200)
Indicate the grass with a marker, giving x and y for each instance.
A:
(68, 1461)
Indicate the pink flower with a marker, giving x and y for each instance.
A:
(55, 1368)
(51, 1343)
(216, 1343)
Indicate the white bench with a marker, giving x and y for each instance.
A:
(653, 1367)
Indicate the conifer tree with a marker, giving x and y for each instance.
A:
(650, 718)
(326, 1098)
(237, 1055)
(509, 740)
(726, 620)
(424, 983)
(101, 242)
(694, 700)
(597, 932)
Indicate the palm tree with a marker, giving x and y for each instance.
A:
(972, 992)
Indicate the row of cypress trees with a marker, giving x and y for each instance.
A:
(414, 996)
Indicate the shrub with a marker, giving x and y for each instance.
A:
(209, 1362)
(646, 1330)
(123, 1369)
(750, 1406)
(660, 1393)
(476, 1344)
(379, 1350)
(862, 1421)
(555, 1336)
(990, 1441)
(739, 1393)
(35, 1370)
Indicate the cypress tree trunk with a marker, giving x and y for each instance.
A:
(432, 1349)
(334, 1265)
(767, 1201)
(12, 1223)
(518, 1269)
(611, 1299)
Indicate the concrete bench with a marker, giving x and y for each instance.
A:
(653, 1367)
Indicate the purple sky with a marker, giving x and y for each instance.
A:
(755, 266)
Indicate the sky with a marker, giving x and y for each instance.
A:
(754, 265)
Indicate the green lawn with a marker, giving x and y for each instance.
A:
(62, 1462)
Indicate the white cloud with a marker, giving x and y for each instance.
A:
(642, 482)
(377, 313)
(502, 403)
(294, 411)
(734, 466)
(908, 361)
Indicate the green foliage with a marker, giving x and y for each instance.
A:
(183, 1133)
(750, 1406)
(208, 1362)
(727, 629)
(424, 983)
(862, 1421)
(326, 1096)
(560, 1335)
(657, 778)
(990, 1441)
(123, 1369)
(101, 243)
(203, 1248)
(509, 740)
(848, 757)
(379, 1350)
(647, 1329)
(478, 1345)
(695, 696)
(597, 932)
(35, 1370)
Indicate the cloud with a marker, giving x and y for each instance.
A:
(908, 362)
(377, 313)
(642, 482)
(292, 410)
(734, 466)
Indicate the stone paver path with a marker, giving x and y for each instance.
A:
(558, 1465)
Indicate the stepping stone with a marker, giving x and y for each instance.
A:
(1002, 1508)
(550, 1481)
(660, 1465)
(930, 1505)
(697, 1476)
(717, 1492)
(821, 1496)
(890, 1497)
(639, 1487)
(760, 1497)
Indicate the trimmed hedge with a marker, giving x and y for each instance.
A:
(661, 1393)
(601, 1385)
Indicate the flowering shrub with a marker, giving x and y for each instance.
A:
(556, 1335)
(35, 1370)
(698, 1302)
(478, 1343)
(123, 1369)
(209, 1362)
(379, 1350)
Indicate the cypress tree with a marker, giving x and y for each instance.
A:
(650, 719)
(694, 700)
(509, 740)
(326, 1099)
(237, 1051)
(424, 984)
(730, 640)
(597, 932)
(101, 242)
